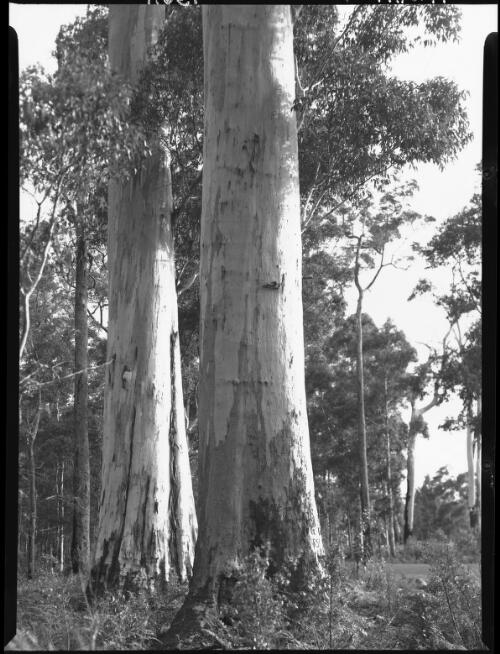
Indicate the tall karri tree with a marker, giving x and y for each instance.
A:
(147, 521)
(256, 482)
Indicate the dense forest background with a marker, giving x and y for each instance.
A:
(367, 392)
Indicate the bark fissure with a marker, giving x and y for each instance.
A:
(144, 558)
(115, 561)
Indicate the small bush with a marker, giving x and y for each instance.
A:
(255, 614)
(455, 610)
(53, 614)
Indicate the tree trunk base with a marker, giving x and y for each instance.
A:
(195, 626)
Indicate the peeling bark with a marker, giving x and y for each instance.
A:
(256, 482)
(147, 521)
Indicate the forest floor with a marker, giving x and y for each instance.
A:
(397, 605)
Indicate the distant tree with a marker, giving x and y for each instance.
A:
(457, 246)
(416, 389)
(440, 506)
(333, 411)
(370, 227)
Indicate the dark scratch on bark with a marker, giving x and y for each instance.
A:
(143, 536)
(174, 489)
(114, 570)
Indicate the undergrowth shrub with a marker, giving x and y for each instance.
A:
(454, 609)
(329, 608)
(255, 617)
(53, 614)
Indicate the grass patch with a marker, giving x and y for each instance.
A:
(340, 609)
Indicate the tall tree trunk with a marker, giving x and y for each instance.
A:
(80, 545)
(256, 481)
(60, 516)
(410, 485)
(397, 529)
(147, 521)
(349, 537)
(471, 481)
(31, 437)
(363, 461)
(390, 497)
(478, 464)
(413, 430)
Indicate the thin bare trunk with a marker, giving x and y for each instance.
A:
(31, 437)
(60, 516)
(28, 290)
(471, 482)
(410, 486)
(478, 481)
(349, 536)
(363, 460)
(397, 529)
(80, 545)
(413, 430)
(390, 498)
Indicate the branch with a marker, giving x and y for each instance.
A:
(309, 197)
(469, 290)
(94, 319)
(40, 366)
(338, 39)
(177, 210)
(314, 209)
(341, 203)
(356, 265)
(188, 284)
(436, 399)
(382, 265)
(27, 293)
(73, 374)
(35, 228)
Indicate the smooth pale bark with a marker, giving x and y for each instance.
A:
(147, 521)
(478, 480)
(471, 481)
(413, 431)
(256, 481)
(60, 514)
(474, 468)
(410, 473)
(80, 544)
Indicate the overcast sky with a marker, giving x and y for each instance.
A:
(441, 194)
